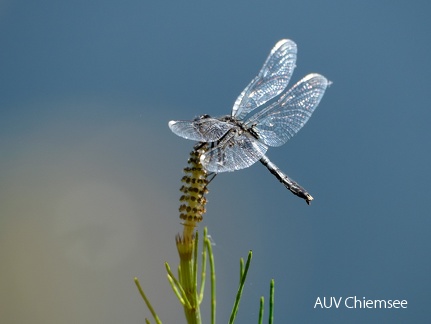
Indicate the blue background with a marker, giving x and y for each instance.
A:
(90, 171)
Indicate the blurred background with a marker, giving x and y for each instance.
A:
(90, 171)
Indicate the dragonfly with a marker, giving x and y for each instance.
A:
(238, 140)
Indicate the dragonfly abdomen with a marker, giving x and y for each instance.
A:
(289, 183)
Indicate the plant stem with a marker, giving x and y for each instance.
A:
(213, 277)
(147, 302)
(240, 288)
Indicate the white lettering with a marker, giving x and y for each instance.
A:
(339, 302)
(382, 301)
(318, 302)
(346, 301)
(354, 302)
(327, 302)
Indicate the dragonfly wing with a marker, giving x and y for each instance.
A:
(204, 129)
(271, 80)
(280, 121)
(235, 151)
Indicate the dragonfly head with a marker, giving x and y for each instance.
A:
(202, 117)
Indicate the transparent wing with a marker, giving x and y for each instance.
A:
(200, 129)
(237, 150)
(271, 80)
(281, 120)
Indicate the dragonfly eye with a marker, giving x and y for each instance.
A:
(202, 117)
